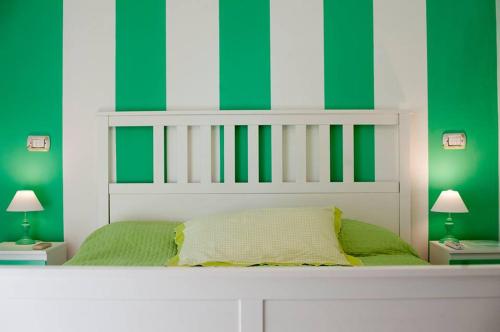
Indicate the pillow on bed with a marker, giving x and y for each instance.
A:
(145, 243)
(362, 239)
(282, 236)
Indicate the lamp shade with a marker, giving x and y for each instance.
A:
(25, 201)
(449, 201)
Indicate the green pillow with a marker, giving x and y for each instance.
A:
(128, 244)
(362, 239)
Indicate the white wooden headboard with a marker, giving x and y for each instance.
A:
(300, 143)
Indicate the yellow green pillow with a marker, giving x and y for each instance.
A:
(280, 236)
(362, 239)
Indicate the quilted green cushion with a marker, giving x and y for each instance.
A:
(362, 239)
(128, 244)
(279, 236)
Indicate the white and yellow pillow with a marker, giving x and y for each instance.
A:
(280, 236)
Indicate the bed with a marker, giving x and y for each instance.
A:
(156, 298)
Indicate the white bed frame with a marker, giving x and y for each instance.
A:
(254, 299)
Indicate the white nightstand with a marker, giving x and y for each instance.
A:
(12, 254)
(475, 252)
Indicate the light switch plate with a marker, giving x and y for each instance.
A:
(38, 143)
(454, 141)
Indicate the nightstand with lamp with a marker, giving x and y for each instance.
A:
(449, 250)
(27, 251)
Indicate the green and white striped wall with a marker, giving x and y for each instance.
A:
(435, 57)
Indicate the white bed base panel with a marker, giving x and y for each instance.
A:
(274, 299)
(300, 141)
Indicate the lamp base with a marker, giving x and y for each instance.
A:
(25, 241)
(449, 231)
(449, 238)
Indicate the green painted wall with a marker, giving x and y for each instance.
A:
(140, 81)
(245, 75)
(349, 79)
(31, 103)
(463, 97)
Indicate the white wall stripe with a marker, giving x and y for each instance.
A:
(297, 68)
(88, 86)
(400, 38)
(192, 54)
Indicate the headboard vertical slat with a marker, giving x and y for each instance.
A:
(348, 153)
(386, 161)
(300, 154)
(229, 154)
(159, 154)
(206, 154)
(324, 153)
(253, 154)
(182, 154)
(171, 154)
(277, 153)
(216, 154)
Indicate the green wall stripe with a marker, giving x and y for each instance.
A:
(336, 150)
(265, 154)
(364, 153)
(31, 104)
(463, 97)
(140, 81)
(241, 153)
(245, 73)
(349, 75)
(134, 155)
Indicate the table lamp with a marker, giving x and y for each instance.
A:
(449, 201)
(25, 201)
